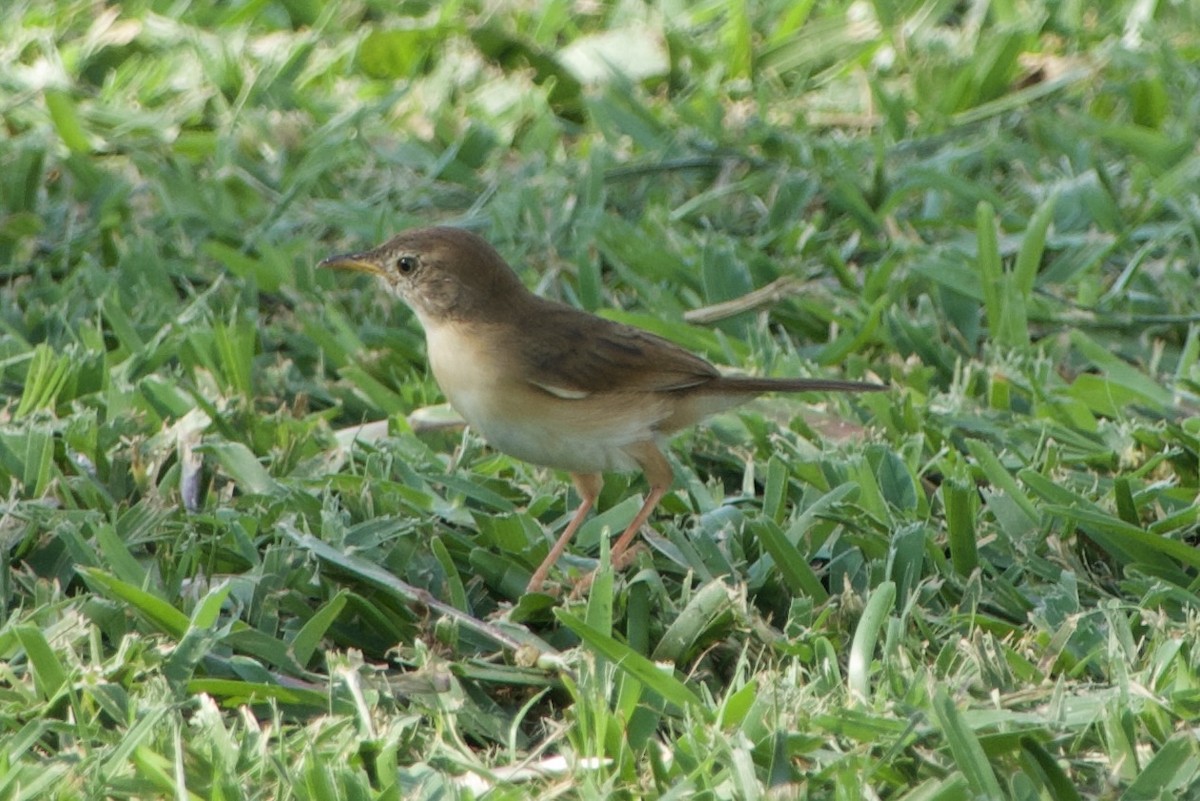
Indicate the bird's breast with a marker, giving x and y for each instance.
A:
(475, 368)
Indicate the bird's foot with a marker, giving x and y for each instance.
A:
(619, 563)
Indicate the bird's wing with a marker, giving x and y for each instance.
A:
(587, 355)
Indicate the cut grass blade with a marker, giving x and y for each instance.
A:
(960, 501)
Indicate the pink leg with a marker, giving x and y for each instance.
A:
(626, 539)
(659, 474)
(589, 485)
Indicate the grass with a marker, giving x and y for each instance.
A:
(983, 583)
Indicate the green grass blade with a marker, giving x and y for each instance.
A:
(1033, 247)
(1172, 770)
(712, 603)
(161, 614)
(639, 667)
(1052, 775)
(964, 746)
(991, 269)
(999, 477)
(236, 693)
(960, 501)
(67, 122)
(866, 634)
(793, 566)
(240, 463)
(49, 673)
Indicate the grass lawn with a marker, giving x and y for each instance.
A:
(248, 559)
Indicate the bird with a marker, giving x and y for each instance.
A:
(549, 383)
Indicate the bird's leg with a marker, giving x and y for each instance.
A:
(658, 472)
(589, 485)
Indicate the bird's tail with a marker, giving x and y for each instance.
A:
(752, 384)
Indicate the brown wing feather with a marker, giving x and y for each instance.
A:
(588, 354)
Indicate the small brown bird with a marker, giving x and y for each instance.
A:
(548, 383)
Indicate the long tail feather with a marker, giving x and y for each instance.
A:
(752, 384)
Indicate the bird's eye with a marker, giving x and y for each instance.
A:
(406, 265)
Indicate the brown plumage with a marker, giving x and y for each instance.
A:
(549, 383)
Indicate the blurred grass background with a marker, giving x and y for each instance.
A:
(981, 584)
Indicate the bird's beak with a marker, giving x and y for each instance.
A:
(352, 261)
